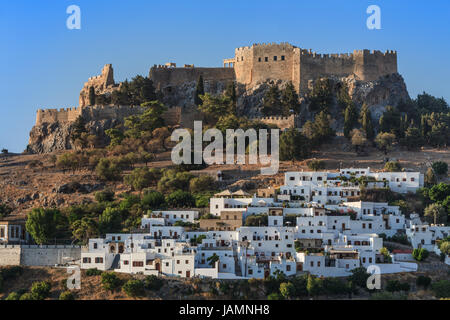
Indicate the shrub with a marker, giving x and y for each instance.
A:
(441, 289)
(66, 295)
(440, 168)
(27, 296)
(287, 290)
(134, 288)
(201, 184)
(420, 254)
(180, 199)
(110, 281)
(153, 200)
(13, 296)
(395, 285)
(40, 290)
(387, 296)
(274, 296)
(104, 196)
(393, 166)
(153, 283)
(423, 281)
(93, 272)
(316, 165)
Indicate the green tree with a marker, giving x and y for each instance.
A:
(289, 100)
(287, 290)
(66, 295)
(423, 281)
(314, 286)
(272, 105)
(110, 281)
(150, 119)
(199, 91)
(420, 254)
(180, 199)
(359, 140)
(385, 141)
(390, 121)
(139, 179)
(230, 92)
(393, 166)
(108, 170)
(153, 283)
(441, 288)
(435, 213)
(201, 184)
(413, 139)
(321, 95)
(153, 200)
(110, 220)
(115, 135)
(316, 165)
(440, 168)
(43, 224)
(84, 229)
(366, 122)
(212, 259)
(215, 107)
(134, 288)
(430, 177)
(350, 119)
(294, 146)
(40, 290)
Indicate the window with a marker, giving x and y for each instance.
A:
(275, 58)
(95, 244)
(99, 260)
(292, 178)
(318, 263)
(167, 264)
(259, 59)
(288, 268)
(282, 58)
(224, 265)
(312, 263)
(86, 260)
(126, 262)
(178, 261)
(250, 271)
(187, 261)
(138, 263)
(266, 59)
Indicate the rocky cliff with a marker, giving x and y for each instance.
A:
(388, 90)
(50, 137)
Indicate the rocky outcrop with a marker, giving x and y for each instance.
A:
(50, 137)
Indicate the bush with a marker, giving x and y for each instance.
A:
(180, 199)
(395, 285)
(393, 166)
(316, 165)
(104, 196)
(420, 254)
(440, 168)
(256, 220)
(287, 290)
(423, 281)
(26, 296)
(66, 295)
(274, 296)
(153, 200)
(153, 283)
(110, 281)
(387, 296)
(134, 288)
(93, 272)
(40, 290)
(201, 184)
(441, 289)
(13, 296)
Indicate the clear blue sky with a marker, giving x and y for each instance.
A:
(44, 65)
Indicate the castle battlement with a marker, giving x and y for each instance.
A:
(283, 61)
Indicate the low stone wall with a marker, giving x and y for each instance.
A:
(29, 255)
(9, 255)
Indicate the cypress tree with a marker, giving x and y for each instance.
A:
(366, 122)
(199, 90)
(91, 96)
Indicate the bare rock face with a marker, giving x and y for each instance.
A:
(50, 137)
(387, 90)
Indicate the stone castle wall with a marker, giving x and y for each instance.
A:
(283, 123)
(262, 62)
(163, 76)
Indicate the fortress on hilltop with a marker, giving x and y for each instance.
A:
(250, 66)
(261, 62)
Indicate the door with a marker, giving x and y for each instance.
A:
(188, 274)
